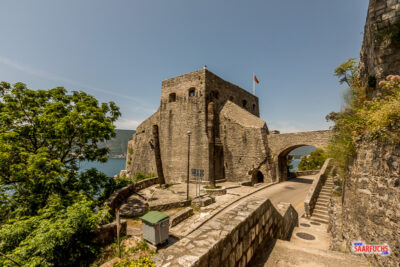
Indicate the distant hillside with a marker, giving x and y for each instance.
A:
(119, 144)
(302, 151)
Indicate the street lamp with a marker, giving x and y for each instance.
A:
(188, 164)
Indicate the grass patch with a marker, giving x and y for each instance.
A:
(209, 187)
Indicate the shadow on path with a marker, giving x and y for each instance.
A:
(301, 180)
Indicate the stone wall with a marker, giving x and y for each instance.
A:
(233, 239)
(315, 189)
(140, 155)
(378, 57)
(119, 196)
(244, 138)
(371, 210)
(106, 234)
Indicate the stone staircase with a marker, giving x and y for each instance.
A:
(320, 212)
(308, 247)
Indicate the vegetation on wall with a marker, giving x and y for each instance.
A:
(363, 114)
(314, 161)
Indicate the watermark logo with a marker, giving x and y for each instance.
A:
(360, 247)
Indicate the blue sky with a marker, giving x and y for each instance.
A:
(121, 50)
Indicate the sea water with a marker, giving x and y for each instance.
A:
(109, 168)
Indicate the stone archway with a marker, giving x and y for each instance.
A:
(282, 144)
(282, 167)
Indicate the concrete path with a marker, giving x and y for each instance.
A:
(293, 191)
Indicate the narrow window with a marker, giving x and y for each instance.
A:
(254, 107)
(191, 92)
(244, 103)
(172, 97)
(215, 94)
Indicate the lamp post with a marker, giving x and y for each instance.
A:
(188, 163)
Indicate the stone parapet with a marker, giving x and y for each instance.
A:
(315, 188)
(170, 205)
(119, 196)
(304, 173)
(232, 239)
(180, 216)
(105, 234)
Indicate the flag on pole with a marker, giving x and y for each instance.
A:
(255, 79)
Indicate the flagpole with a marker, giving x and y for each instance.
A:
(254, 85)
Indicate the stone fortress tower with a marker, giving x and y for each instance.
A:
(228, 139)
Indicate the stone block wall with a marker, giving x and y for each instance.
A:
(106, 234)
(233, 239)
(315, 189)
(371, 210)
(140, 156)
(244, 138)
(119, 196)
(378, 57)
(185, 113)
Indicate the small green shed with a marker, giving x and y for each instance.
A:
(155, 227)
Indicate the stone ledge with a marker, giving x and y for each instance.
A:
(180, 216)
(215, 191)
(170, 205)
(106, 234)
(315, 188)
(119, 196)
(232, 239)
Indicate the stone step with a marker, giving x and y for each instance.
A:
(329, 184)
(326, 189)
(321, 206)
(317, 219)
(326, 194)
(321, 209)
(318, 212)
(322, 197)
(320, 215)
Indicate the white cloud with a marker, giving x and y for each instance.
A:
(127, 124)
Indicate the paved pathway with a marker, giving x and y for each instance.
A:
(292, 191)
(308, 247)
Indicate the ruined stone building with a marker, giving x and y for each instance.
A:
(228, 139)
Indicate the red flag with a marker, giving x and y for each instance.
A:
(255, 79)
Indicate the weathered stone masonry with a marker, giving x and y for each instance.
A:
(229, 142)
(232, 239)
(371, 209)
(380, 57)
(183, 107)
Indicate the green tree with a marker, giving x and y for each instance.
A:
(314, 161)
(43, 136)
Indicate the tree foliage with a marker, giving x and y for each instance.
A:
(47, 208)
(314, 161)
(43, 135)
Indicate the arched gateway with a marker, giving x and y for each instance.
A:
(282, 144)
